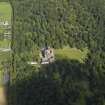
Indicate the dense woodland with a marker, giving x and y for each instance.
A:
(58, 23)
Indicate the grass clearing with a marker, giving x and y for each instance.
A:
(5, 11)
(5, 15)
(71, 53)
(5, 43)
(68, 53)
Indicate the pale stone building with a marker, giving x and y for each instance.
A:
(47, 55)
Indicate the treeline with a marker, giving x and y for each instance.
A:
(63, 82)
(58, 23)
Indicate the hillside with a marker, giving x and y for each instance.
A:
(74, 23)
(77, 24)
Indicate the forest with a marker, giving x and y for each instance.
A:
(57, 23)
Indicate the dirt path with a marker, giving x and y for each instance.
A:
(2, 96)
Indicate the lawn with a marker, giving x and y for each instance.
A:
(71, 53)
(5, 15)
(5, 43)
(5, 11)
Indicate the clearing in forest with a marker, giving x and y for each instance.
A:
(5, 11)
(5, 29)
(5, 34)
(65, 53)
(71, 53)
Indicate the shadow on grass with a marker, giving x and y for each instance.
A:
(61, 83)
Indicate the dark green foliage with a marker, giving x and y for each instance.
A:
(56, 23)
(63, 82)
(77, 23)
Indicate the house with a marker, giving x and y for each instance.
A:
(4, 23)
(46, 55)
(7, 35)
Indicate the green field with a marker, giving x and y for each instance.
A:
(5, 15)
(5, 11)
(4, 43)
(71, 53)
(68, 53)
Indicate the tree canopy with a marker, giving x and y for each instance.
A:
(59, 23)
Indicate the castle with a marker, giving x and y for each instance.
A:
(47, 55)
